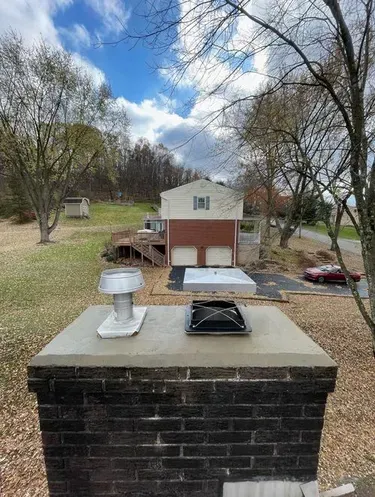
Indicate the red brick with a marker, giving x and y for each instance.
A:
(202, 233)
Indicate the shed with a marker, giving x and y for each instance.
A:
(77, 207)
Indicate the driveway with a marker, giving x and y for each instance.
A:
(353, 246)
(273, 285)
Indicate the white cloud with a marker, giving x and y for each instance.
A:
(112, 13)
(96, 73)
(31, 18)
(77, 35)
(150, 118)
(195, 148)
(212, 76)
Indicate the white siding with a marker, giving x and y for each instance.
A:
(224, 202)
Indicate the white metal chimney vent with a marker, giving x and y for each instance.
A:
(125, 320)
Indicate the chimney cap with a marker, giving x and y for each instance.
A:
(122, 280)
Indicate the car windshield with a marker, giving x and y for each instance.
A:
(329, 269)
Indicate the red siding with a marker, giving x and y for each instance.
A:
(202, 234)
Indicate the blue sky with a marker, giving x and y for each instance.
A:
(77, 25)
(129, 70)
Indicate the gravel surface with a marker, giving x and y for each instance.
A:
(34, 310)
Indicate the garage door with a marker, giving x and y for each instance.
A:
(218, 256)
(184, 256)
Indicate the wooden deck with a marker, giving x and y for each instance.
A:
(144, 243)
(128, 238)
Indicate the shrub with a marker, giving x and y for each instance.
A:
(109, 252)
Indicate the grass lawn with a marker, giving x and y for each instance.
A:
(107, 214)
(345, 232)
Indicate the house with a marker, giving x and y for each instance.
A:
(77, 207)
(199, 224)
(257, 200)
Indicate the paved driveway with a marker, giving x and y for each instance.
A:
(272, 285)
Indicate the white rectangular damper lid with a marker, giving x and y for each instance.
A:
(217, 279)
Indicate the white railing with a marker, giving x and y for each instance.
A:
(249, 238)
(152, 217)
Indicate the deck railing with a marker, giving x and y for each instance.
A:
(149, 237)
(120, 235)
(152, 217)
(134, 237)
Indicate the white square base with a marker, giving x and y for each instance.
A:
(211, 279)
(111, 328)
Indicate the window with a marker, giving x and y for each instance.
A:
(201, 202)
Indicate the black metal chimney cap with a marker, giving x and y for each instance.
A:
(216, 317)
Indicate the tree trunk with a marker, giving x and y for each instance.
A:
(339, 214)
(266, 244)
(368, 254)
(371, 292)
(284, 239)
(55, 220)
(43, 226)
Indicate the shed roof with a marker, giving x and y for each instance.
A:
(76, 200)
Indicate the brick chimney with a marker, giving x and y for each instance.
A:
(164, 414)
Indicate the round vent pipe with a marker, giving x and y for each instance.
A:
(125, 319)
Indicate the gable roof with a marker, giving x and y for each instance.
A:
(197, 184)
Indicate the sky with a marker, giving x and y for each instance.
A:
(79, 26)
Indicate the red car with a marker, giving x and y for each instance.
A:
(329, 272)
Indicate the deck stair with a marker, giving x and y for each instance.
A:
(150, 252)
(143, 243)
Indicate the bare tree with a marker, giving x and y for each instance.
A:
(146, 169)
(278, 164)
(314, 134)
(293, 36)
(54, 123)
